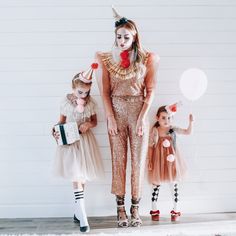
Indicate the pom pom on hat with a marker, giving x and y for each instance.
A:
(86, 76)
(173, 108)
(94, 66)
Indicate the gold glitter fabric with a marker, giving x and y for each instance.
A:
(126, 111)
(124, 81)
(117, 71)
(127, 93)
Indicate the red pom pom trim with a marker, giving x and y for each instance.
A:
(125, 62)
(94, 66)
(124, 55)
(174, 109)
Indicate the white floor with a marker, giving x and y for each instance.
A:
(204, 225)
(218, 224)
(193, 229)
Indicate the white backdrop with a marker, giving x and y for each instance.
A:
(44, 43)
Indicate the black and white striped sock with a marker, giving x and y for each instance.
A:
(155, 194)
(80, 212)
(79, 194)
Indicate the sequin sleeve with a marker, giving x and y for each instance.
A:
(103, 80)
(153, 137)
(150, 78)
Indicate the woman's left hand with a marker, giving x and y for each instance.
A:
(84, 127)
(140, 127)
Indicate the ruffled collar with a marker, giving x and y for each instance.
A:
(116, 70)
(78, 103)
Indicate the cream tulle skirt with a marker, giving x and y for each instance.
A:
(80, 161)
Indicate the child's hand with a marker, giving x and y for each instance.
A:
(55, 134)
(84, 127)
(190, 118)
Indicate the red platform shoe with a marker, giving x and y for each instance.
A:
(175, 215)
(155, 215)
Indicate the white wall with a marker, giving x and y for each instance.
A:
(44, 43)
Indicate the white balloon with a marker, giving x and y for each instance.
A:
(170, 158)
(193, 83)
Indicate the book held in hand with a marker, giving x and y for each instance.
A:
(68, 133)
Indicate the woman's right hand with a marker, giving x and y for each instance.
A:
(112, 125)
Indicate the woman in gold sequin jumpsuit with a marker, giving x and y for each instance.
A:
(127, 84)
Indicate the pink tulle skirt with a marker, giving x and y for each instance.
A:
(167, 165)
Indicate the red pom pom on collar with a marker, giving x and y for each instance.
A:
(125, 61)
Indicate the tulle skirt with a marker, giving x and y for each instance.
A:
(167, 164)
(80, 161)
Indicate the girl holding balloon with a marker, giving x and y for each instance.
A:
(165, 165)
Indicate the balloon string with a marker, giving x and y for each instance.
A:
(194, 144)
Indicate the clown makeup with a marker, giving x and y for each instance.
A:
(81, 92)
(164, 119)
(124, 39)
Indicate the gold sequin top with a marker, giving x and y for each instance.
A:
(124, 81)
(114, 80)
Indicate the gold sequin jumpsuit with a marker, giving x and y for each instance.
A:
(125, 91)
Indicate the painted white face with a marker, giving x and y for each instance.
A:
(124, 39)
(164, 119)
(81, 92)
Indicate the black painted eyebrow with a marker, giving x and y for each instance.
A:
(124, 35)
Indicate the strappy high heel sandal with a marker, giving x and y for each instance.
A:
(122, 218)
(135, 218)
(175, 215)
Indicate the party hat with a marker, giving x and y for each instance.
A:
(172, 109)
(86, 76)
(120, 20)
(115, 14)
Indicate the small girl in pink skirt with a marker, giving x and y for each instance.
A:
(165, 165)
